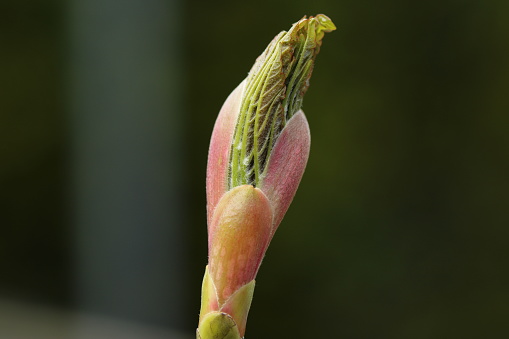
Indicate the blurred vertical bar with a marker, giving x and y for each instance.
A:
(126, 114)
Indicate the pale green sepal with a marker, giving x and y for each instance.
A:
(218, 325)
(238, 305)
(208, 295)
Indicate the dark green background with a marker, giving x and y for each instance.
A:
(401, 223)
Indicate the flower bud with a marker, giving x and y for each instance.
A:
(258, 152)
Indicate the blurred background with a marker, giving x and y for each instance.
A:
(399, 228)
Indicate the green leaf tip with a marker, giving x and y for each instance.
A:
(274, 91)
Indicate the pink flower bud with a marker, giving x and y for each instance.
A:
(257, 156)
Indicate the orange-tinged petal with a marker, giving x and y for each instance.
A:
(242, 223)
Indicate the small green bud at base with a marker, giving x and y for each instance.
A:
(236, 306)
(217, 325)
